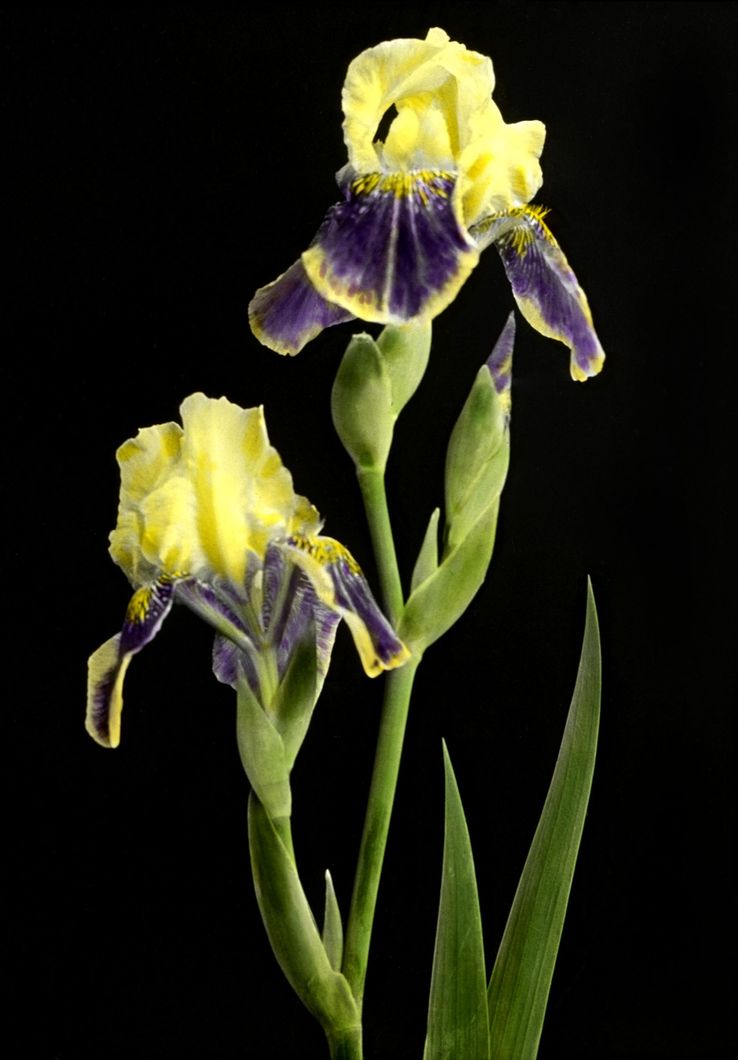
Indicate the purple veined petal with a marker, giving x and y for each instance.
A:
(305, 607)
(107, 666)
(236, 643)
(395, 249)
(290, 603)
(545, 287)
(341, 586)
(287, 313)
(221, 609)
(499, 363)
(231, 663)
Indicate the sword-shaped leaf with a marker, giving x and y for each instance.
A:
(457, 1012)
(521, 978)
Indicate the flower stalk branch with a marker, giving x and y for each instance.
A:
(372, 485)
(376, 825)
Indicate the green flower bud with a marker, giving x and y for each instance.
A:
(361, 404)
(374, 383)
(477, 459)
(405, 351)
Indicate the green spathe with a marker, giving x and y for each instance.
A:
(292, 931)
(443, 597)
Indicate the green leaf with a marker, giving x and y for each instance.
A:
(262, 754)
(332, 926)
(521, 978)
(457, 1013)
(441, 599)
(291, 928)
(295, 698)
(427, 561)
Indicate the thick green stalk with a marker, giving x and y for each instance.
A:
(371, 482)
(376, 825)
(345, 1044)
(398, 687)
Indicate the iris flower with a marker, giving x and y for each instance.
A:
(450, 178)
(208, 517)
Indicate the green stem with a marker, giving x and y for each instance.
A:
(398, 688)
(345, 1044)
(376, 825)
(371, 482)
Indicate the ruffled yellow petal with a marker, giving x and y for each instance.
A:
(381, 76)
(338, 580)
(500, 169)
(446, 119)
(197, 499)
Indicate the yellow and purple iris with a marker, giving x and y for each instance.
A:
(450, 178)
(208, 517)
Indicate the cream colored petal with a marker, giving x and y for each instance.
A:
(501, 170)
(145, 462)
(241, 493)
(381, 76)
(418, 137)
(196, 499)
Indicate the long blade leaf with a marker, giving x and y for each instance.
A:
(521, 978)
(457, 1012)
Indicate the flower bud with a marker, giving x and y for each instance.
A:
(361, 404)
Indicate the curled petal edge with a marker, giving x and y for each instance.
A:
(341, 586)
(106, 668)
(544, 284)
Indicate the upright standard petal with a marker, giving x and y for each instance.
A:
(341, 586)
(200, 497)
(446, 119)
(107, 666)
(545, 287)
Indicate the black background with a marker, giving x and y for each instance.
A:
(170, 163)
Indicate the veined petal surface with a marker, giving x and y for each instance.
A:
(289, 312)
(395, 249)
(545, 287)
(200, 497)
(446, 119)
(107, 666)
(341, 586)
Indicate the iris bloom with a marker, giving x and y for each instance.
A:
(450, 178)
(208, 517)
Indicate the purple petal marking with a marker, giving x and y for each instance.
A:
(341, 586)
(289, 604)
(354, 597)
(148, 608)
(395, 249)
(219, 607)
(305, 608)
(545, 287)
(499, 362)
(288, 313)
(231, 663)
